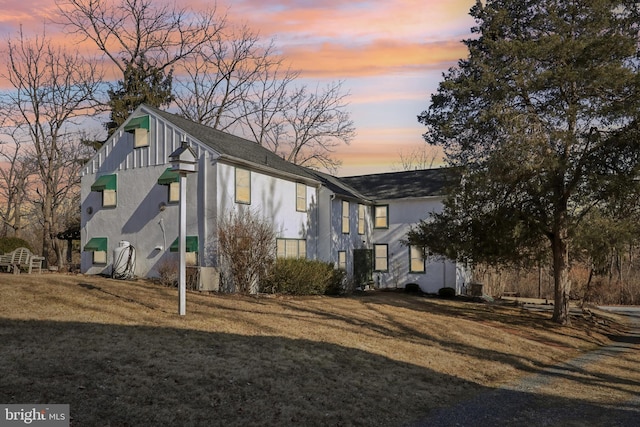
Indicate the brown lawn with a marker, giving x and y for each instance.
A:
(118, 353)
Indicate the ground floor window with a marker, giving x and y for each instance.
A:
(342, 260)
(381, 260)
(291, 248)
(416, 259)
(98, 248)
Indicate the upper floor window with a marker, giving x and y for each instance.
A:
(345, 217)
(171, 179)
(243, 186)
(301, 197)
(361, 218)
(139, 127)
(107, 185)
(381, 216)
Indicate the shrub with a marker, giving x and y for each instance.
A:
(246, 242)
(447, 292)
(302, 277)
(338, 284)
(168, 271)
(412, 288)
(8, 244)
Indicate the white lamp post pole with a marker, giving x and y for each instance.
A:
(183, 161)
(182, 243)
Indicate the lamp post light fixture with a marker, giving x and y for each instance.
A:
(183, 160)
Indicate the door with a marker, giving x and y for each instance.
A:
(362, 267)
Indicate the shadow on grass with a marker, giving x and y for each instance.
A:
(134, 375)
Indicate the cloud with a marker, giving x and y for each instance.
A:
(377, 58)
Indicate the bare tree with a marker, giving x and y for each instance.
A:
(215, 84)
(303, 126)
(226, 78)
(240, 85)
(145, 40)
(15, 173)
(51, 90)
(423, 157)
(128, 30)
(267, 98)
(317, 123)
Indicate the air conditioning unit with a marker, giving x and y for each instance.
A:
(209, 280)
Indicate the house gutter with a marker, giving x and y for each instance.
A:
(270, 171)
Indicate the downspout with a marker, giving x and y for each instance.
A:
(331, 251)
(202, 211)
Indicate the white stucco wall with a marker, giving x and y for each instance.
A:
(143, 216)
(403, 214)
(274, 199)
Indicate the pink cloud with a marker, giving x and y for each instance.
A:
(379, 57)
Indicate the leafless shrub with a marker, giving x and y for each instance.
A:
(168, 270)
(246, 243)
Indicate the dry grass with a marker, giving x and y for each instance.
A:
(119, 354)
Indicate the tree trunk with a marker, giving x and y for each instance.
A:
(562, 284)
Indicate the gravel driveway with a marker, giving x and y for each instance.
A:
(531, 401)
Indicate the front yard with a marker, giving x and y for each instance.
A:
(118, 353)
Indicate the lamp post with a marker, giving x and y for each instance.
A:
(183, 161)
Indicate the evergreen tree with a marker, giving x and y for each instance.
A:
(542, 119)
(142, 84)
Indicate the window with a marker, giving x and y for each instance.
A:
(291, 248)
(174, 192)
(98, 247)
(416, 259)
(191, 244)
(243, 186)
(171, 179)
(107, 185)
(191, 249)
(381, 214)
(345, 217)
(301, 197)
(139, 127)
(381, 262)
(342, 260)
(361, 218)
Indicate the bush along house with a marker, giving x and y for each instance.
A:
(130, 198)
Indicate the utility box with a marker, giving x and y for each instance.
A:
(209, 279)
(206, 279)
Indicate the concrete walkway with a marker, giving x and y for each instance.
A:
(604, 386)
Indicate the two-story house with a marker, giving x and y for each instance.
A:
(130, 200)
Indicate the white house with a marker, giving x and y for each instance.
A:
(130, 201)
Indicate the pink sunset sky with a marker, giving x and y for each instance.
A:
(390, 54)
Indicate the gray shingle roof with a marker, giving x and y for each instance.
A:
(392, 185)
(233, 147)
(337, 186)
(398, 185)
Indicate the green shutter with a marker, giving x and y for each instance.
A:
(191, 246)
(136, 123)
(105, 182)
(168, 177)
(96, 244)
